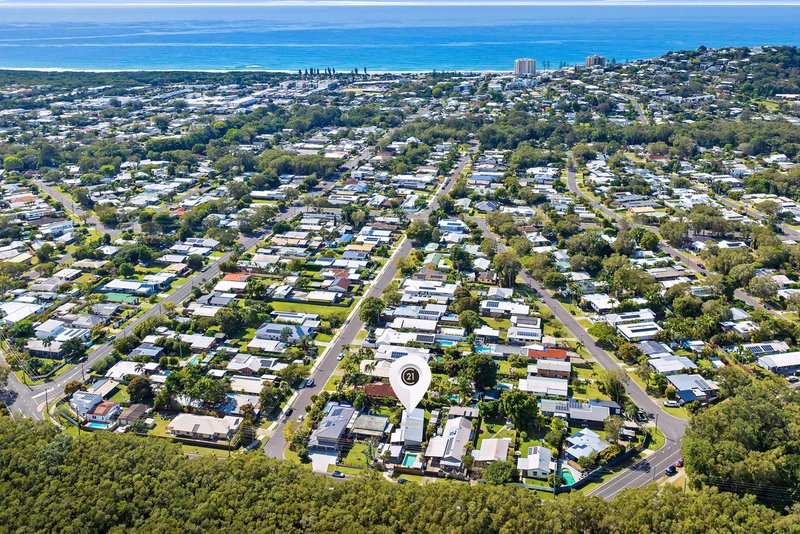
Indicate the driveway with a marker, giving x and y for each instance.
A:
(321, 460)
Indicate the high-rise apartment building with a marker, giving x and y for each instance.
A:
(595, 61)
(525, 67)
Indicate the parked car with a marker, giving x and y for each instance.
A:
(288, 412)
(403, 481)
(340, 356)
(791, 378)
(679, 463)
(671, 470)
(671, 403)
(309, 383)
(337, 474)
(642, 416)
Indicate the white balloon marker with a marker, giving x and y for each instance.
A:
(410, 377)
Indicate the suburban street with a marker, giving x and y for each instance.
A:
(672, 427)
(327, 362)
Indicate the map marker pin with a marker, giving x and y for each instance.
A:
(410, 377)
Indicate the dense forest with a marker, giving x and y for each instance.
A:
(114, 483)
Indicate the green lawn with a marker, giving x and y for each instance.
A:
(332, 382)
(352, 471)
(656, 439)
(204, 451)
(120, 394)
(355, 456)
(323, 338)
(319, 309)
(494, 429)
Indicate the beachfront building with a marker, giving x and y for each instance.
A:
(525, 67)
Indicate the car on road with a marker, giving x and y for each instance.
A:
(671, 470)
(340, 356)
(309, 383)
(671, 403)
(288, 413)
(642, 416)
(679, 463)
(338, 474)
(792, 378)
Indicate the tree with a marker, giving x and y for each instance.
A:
(371, 310)
(230, 321)
(419, 232)
(554, 280)
(481, 369)
(285, 334)
(72, 386)
(612, 425)
(462, 261)
(675, 233)
(507, 266)
(763, 287)
(195, 262)
(649, 241)
(613, 382)
(74, 349)
(520, 407)
(469, 320)
(140, 390)
(629, 352)
(13, 163)
(501, 473)
(488, 247)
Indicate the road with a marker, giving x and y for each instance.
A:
(327, 362)
(788, 230)
(672, 427)
(572, 184)
(76, 209)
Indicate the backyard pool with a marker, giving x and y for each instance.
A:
(567, 474)
(98, 426)
(447, 343)
(483, 349)
(409, 459)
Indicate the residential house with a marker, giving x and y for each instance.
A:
(537, 464)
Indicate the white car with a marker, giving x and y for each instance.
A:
(671, 404)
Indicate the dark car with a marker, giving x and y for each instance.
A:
(337, 474)
(679, 463)
(403, 481)
(671, 470)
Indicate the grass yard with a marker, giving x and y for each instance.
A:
(351, 471)
(319, 309)
(355, 456)
(332, 382)
(323, 338)
(120, 394)
(492, 428)
(203, 451)
(656, 439)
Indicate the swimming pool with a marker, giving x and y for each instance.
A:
(98, 426)
(409, 459)
(567, 474)
(483, 349)
(447, 343)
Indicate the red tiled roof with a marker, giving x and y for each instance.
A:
(547, 354)
(380, 389)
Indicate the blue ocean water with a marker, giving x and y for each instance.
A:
(385, 38)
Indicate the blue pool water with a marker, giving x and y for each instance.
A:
(567, 474)
(98, 426)
(483, 349)
(447, 343)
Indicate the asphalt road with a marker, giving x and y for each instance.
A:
(672, 427)
(327, 362)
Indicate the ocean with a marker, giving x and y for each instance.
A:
(379, 38)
